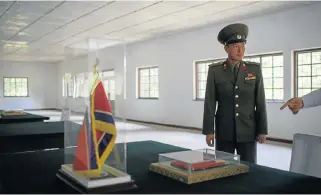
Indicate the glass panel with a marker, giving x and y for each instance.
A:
(316, 70)
(153, 71)
(267, 72)
(304, 82)
(304, 58)
(278, 72)
(268, 94)
(201, 67)
(268, 83)
(202, 85)
(253, 59)
(278, 83)
(278, 94)
(201, 94)
(144, 79)
(278, 60)
(316, 82)
(202, 77)
(156, 94)
(304, 70)
(316, 57)
(144, 72)
(6, 80)
(302, 92)
(267, 61)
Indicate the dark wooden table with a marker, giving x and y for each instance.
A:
(35, 172)
(20, 137)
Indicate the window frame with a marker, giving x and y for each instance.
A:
(109, 78)
(71, 95)
(264, 55)
(138, 82)
(296, 65)
(15, 96)
(196, 82)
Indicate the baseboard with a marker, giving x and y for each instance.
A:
(280, 140)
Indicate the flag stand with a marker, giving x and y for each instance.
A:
(95, 155)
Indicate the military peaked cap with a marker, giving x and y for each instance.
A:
(233, 33)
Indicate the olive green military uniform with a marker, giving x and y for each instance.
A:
(238, 95)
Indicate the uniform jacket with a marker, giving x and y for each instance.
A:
(240, 103)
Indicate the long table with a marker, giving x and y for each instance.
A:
(27, 117)
(35, 173)
(19, 137)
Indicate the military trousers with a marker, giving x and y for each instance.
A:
(246, 150)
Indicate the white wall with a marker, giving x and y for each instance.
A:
(41, 81)
(286, 31)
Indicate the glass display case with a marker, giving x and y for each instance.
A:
(194, 166)
(95, 155)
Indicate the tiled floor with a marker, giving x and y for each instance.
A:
(270, 154)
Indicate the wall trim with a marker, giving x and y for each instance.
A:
(280, 140)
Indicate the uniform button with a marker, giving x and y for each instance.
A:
(236, 87)
(237, 114)
(236, 96)
(237, 105)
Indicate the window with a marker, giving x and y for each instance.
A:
(70, 86)
(148, 83)
(81, 85)
(15, 87)
(308, 71)
(108, 78)
(201, 68)
(272, 70)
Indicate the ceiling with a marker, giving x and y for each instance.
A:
(40, 30)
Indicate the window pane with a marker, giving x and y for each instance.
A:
(267, 61)
(278, 60)
(268, 94)
(253, 59)
(304, 82)
(302, 92)
(268, 83)
(278, 83)
(278, 72)
(202, 77)
(316, 82)
(316, 57)
(304, 71)
(202, 85)
(316, 70)
(304, 58)
(267, 72)
(201, 94)
(278, 94)
(144, 72)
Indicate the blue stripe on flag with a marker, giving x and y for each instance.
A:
(104, 117)
(104, 143)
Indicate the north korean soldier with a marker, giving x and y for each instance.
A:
(235, 88)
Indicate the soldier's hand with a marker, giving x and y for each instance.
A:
(210, 140)
(261, 138)
(294, 104)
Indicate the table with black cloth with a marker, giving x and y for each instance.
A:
(35, 173)
(27, 117)
(19, 137)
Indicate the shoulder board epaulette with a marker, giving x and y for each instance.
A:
(216, 64)
(252, 63)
